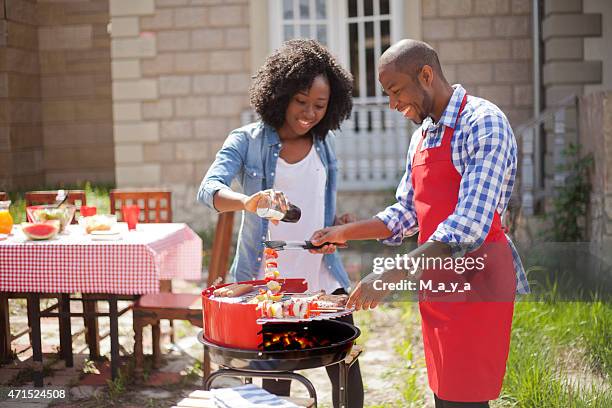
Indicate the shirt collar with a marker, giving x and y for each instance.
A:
(274, 139)
(272, 135)
(449, 116)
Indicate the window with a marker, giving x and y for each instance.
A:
(356, 31)
(371, 146)
(302, 19)
(369, 35)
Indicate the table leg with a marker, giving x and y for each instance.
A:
(114, 335)
(34, 312)
(65, 329)
(5, 330)
(92, 333)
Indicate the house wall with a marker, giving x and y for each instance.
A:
(75, 78)
(596, 139)
(485, 45)
(181, 71)
(599, 48)
(21, 152)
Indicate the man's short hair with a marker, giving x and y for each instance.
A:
(410, 56)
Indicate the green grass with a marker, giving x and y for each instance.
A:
(412, 395)
(560, 356)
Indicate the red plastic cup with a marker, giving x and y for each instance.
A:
(130, 215)
(87, 211)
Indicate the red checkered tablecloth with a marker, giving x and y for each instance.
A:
(73, 262)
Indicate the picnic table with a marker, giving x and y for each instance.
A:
(74, 262)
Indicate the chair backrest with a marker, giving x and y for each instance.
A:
(155, 205)
(219, 258)
(3, 196)
(75, 197)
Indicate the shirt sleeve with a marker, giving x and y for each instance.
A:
(228, 162)
(490, 153)
(400, 218)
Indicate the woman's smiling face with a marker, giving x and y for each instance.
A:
(306, 108)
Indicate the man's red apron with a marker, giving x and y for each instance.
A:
(466, 338)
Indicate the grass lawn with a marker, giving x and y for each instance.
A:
(560, 356)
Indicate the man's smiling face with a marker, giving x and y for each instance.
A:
(406, 94)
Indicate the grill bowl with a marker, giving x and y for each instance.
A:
(278, 361)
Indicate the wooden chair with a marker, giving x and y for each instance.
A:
(155, 205)
(150, 309)
(75, 197)
(153, 307)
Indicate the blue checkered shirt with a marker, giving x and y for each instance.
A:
(484, 152)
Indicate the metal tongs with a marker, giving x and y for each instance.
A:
(288, 245)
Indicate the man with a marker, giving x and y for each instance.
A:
(459, 176)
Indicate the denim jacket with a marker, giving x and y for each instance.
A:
(249, 155)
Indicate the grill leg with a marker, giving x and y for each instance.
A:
(343, 392)
(37, 357)
(114, 335)
(228, 372)
(206, 365)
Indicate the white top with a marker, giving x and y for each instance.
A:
(304, 185)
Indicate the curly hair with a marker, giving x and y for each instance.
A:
(291, 69)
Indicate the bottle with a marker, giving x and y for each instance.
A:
(268, 208)
(6, 220)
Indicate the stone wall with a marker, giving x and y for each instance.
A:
(486, 46)
(564, 29)
(181, 71)
(596, 138)
(21, 152)
(75, 77)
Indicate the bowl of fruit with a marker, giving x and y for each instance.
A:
(41, 213)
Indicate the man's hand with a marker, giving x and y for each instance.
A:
(325, 249)
(329, 234)
(365, 296)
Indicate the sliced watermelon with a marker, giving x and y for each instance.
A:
(40, 230)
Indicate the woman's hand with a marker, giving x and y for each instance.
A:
(278, 200)
(345, 219)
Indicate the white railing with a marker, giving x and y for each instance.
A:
(371, 147)
(535, 186)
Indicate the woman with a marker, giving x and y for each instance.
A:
(301, 93)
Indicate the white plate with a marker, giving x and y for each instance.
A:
(107, 237)
(112, 231)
